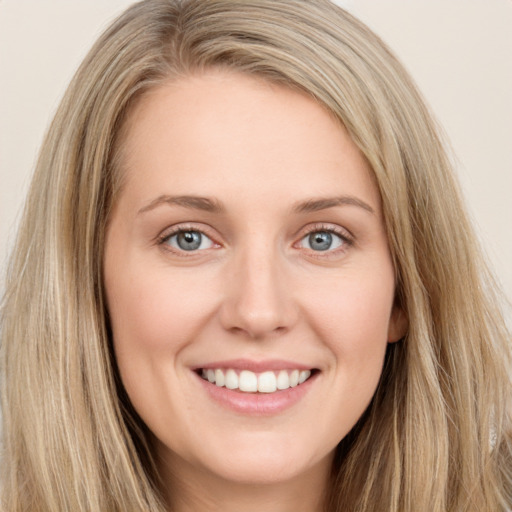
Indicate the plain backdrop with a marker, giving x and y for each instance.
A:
(458, 51)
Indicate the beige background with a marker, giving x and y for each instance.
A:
(459, 52)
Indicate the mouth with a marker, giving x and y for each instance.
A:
(246, 381)
(257, 388)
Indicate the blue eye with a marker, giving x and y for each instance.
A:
(189, 240)
(321, 241)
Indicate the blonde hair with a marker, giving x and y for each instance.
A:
(436, 436)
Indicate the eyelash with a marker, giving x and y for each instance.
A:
(167, 235)
(346, 238)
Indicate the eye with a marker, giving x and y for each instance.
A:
(188, 240)
(322, 240)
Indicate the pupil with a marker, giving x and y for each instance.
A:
(189, 240)
(320, 241)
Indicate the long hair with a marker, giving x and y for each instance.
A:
(436, 436)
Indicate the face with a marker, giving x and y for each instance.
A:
(248, 278)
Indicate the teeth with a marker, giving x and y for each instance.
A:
(303, 376)
(219, 378)
(283, 380)
(267, 382)
(250, 382)
(231, 379)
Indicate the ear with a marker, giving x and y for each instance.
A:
(398, 324)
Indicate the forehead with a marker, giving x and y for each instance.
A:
(225, 131)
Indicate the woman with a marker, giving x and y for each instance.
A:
(245, 280)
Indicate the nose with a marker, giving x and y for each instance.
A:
(258, 297)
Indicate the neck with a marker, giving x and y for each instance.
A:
(189, 489)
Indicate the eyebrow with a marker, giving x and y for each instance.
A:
(213, 206)
(323, 203)
(193, 202)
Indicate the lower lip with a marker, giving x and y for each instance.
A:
(257, 404)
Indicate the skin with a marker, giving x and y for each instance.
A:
(256, 289)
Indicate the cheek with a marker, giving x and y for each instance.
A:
(353, 321)
(154, 317)
(354, 312)
(154, 312)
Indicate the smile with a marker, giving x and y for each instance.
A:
(247, 381)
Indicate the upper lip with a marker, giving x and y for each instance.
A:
(255, 366)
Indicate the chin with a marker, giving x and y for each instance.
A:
(260, 469)
(245, 457)
(262, 459)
